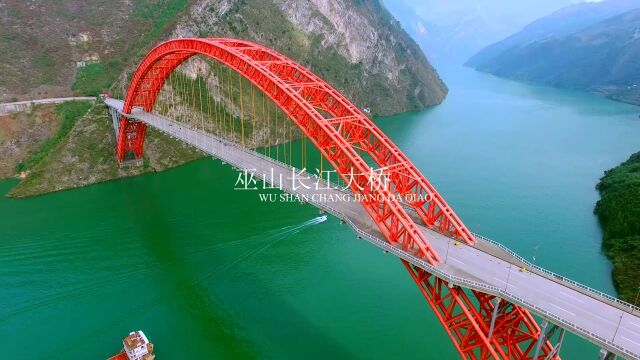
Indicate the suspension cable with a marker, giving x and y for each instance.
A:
(284, 140)
(183, 95)
(253, 116)
(201, 102)
(269, 128)
(231, 122)
(264, 111)
(277, 143)
(290, 145)
(241, 111)
(320, 152)
(219, 100)
(209, 117)
(193, 98)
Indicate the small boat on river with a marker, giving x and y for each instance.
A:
(136, 346)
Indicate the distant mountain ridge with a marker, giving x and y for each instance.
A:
(567, 20)
(452, 31)
(601, 57)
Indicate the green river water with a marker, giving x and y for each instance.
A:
(209, 272)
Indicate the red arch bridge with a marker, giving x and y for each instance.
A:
(230, 98)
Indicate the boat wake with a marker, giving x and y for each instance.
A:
(273, 239)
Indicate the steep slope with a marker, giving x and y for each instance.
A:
(56, 48)
(49, 47)
(619, 213)
(22, 133)
(603, 58)
(86, 156)
(357, 46)
(565, 21)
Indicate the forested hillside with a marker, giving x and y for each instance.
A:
(593, 47)
(619, 214)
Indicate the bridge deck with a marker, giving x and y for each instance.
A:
(612, 325)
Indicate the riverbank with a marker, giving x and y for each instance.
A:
(619, 213)
(82, 153)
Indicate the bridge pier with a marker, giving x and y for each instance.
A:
(129, 136)
(115, 118)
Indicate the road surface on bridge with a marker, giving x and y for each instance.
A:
(601, 319)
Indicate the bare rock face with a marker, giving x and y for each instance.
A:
(56, 48)
(357, 46)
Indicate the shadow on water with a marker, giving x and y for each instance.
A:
(205, 309)
(205, 312)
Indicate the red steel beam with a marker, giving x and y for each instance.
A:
(304, 97)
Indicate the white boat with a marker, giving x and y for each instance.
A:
(136, 346)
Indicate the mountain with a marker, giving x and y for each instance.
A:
(565, 21)
(603, 58)
(55, 48)
(452, 31)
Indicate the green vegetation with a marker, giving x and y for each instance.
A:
(160, 13)
(46, 66)
(94, 79)
(156, 16)
(619, 214)
(580, 59)
(68, 114)
(89, 149)
(233, 108)
(22, 133)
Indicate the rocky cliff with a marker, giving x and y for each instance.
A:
(71, 46)
(357, 46)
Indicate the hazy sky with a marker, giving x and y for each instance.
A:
(456, 30)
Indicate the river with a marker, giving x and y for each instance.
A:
(210, 272)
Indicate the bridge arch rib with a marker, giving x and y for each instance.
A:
(306, 100)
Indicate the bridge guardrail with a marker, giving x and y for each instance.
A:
(490, 289)
(559, 277)
(456, 280)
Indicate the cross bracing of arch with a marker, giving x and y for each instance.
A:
(353, 145)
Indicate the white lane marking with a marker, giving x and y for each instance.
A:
(610, 320)
(502, 281)
(571, 297)
(633, 341)
(635, 325)
(561, 308)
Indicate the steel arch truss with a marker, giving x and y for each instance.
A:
(482, 326)
(342, 132)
